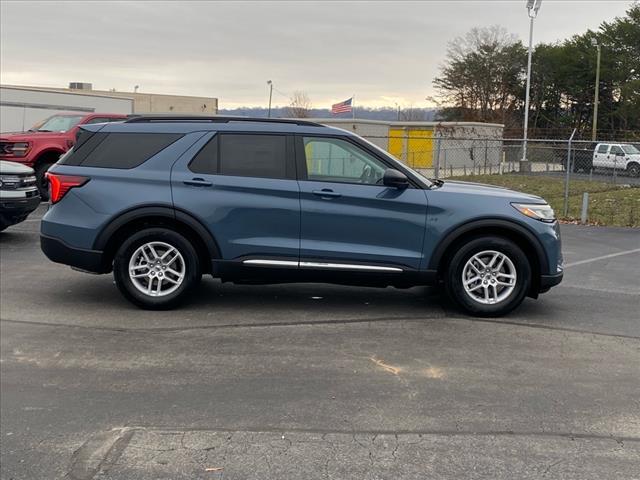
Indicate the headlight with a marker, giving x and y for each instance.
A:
(542, 212)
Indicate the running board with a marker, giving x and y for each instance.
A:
(321, 265)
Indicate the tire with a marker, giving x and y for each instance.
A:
(634, 169)
(41, 180)
(173, 289)
(508, 296)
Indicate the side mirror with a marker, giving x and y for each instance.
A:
(619, 154)
(394, 178)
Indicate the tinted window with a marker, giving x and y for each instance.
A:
(119, 150)
(253, 155)
(206, 161)
(335, 160)
(603, 148)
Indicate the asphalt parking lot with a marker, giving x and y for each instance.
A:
(317, 381)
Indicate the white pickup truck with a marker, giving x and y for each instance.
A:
(619, 156)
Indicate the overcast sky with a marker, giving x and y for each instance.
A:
(384, 52)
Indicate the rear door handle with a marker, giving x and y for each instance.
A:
(326, 193)
(198, 182)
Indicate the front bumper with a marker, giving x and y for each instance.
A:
(548, 281)
(15, 209)
(58, 251)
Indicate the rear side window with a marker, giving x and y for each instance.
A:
(118, 150)
(603, 148)
(253, 155)
(243, 155)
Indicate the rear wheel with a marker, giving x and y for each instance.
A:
(488, 276)
(156, 268)
(41, 180)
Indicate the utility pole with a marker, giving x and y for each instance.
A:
(532, 7)
(270, 83)
(594, 130)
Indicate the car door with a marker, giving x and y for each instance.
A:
(242, 187)
(600, 156)
(616, 157)
(349, 220)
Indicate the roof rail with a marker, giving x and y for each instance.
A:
(213, 119)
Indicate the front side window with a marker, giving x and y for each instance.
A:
(335, 160)
(97, 120)
(245, 155)
(616, 150)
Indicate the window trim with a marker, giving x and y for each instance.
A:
(301, 159)
(290, 164)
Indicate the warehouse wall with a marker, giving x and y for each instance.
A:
(21, 108)
(417, 143)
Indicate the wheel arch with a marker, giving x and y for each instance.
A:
(114, 232)
(515, 232)
(47, 153)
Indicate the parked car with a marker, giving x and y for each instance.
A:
(618, 156)
(41, 146)
(581, 156)
(18, 193)
(161, 200)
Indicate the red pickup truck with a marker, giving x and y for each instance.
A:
(41, 146)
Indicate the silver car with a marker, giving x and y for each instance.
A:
(18, 193)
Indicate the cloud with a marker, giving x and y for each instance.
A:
(377, 50)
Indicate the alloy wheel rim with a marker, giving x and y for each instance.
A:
(156, 269)
(489, 277)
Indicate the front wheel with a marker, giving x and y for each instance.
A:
(41, 180)
(634, 169)
(156, 268)
(488, 276)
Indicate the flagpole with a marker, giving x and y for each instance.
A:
(353, 107)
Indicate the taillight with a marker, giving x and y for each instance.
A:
(59, 185)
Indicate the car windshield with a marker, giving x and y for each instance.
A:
(57, 123)
(630, 149)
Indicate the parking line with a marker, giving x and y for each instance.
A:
(603, 257)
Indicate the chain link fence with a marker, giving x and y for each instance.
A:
(561, 169)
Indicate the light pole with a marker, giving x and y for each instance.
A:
(594, 128)
(270, 83)
(532, 7)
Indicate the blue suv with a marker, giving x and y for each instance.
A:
(161, 200)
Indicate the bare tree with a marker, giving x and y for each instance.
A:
(412, 114)
(300, 106)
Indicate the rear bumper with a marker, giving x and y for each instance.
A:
(58, 251)
(548, 281)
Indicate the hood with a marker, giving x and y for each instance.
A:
(27, 136)
(13, 168)
(471, 188)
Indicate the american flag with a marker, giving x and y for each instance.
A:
(342, 107)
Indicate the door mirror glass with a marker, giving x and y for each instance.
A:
(395, 178)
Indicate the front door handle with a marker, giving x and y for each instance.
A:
(326, 193)
(198, 182)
